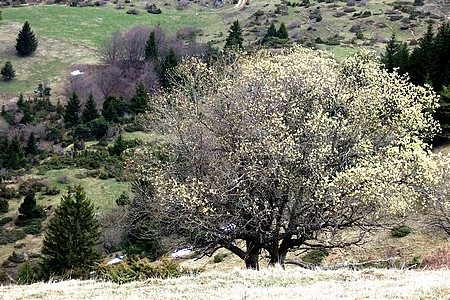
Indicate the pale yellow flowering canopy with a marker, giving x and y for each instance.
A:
(286, 151)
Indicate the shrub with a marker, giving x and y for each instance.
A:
(11, 236)
(438, 259)
(400, 231)
(28, 274)
(34, 227)
(4, 205)
(16, 258)
(135, 269)
(8, 192)
(218, 258)
(5, 220)
(315, 256)
(64, 179)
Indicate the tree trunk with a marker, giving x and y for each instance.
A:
(274, 254)
(252, 255)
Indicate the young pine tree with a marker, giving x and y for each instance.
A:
(170, 61)
(282, 32)
(26, 42)
(17, 158)
(422, 59)
(32, 147)
(71, 236)
(151, 48)
(234, 39)
(72, 112)
(271, 32)
(120, 145)
(90, 111)
(8, 71)
(139, 102)
(29, 209)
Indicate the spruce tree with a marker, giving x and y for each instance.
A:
(4, 154)
(113, 109)
(29, 209)
(271, 32)
(72, 111)
(32, 147)
(8, 71)
(389, 56)
(26, 42)
(170, 61)
(282, 32)
(21, 104)
(234, 39)
(71, 236)
(151, 48)
(17, 158)
(90, 111)
(441, 72)
(139, 102)
(421, 60)
(120, 145)
(402, 58)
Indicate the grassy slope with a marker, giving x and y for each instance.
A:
(266, 284)
(69, 36)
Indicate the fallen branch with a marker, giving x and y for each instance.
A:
(303, 264)
(364, 263)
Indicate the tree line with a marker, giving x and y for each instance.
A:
(428, 63)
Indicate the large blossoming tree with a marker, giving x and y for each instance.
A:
(279, 152)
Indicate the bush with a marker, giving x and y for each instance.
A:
(438, 259)
(28, 274)
(8, 192)
(315, 256)
(34, 227)
(5, 220)
(11, 236)
(218, 258)
(135, 269)
(4, 205)
(400, 231)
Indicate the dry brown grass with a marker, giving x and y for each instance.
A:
(293, 283)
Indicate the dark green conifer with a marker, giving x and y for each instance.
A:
(26, 42)
(16, 155)
(151, 48)
(422, 60)
(8, 71)
(441, 72)
(29, 209)
(170, 61)
(139, 102)
(72, 111)
(32, 147)
(389, 56)
(113, 109)
(90, 111)
(282, 32)
(71, 236)
(234, 39)
(120, 145)
(271, 32)
(21, 104)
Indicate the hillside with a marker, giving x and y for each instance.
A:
(103, 153)
(70, 36)
(243, 284)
